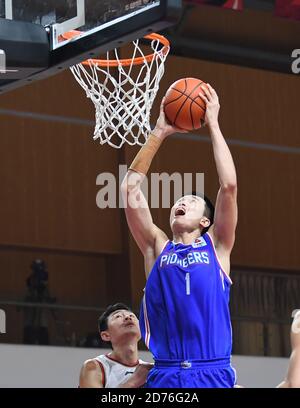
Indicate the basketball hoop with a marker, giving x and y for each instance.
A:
(123, 90)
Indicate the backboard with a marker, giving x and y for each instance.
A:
(32, 32)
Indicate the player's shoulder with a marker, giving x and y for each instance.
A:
(209, 235)
(92, 364)
(161, 242)
(211, 239)
(160, 235)
(92, 374)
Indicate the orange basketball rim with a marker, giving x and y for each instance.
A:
(124, 62)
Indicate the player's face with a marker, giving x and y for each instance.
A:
(121, 324)
(186, 213)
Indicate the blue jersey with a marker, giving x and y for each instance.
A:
(185, 310)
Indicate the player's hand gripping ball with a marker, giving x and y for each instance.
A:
(183, 106)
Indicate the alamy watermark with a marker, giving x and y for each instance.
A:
(2, 322)
(296, 63)
(158, 184)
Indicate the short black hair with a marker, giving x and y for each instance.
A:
(209, 209)
(102, 321)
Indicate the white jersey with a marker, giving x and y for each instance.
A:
(114, 373)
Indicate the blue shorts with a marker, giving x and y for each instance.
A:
(216, 373)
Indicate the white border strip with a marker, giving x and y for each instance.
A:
(8, 10)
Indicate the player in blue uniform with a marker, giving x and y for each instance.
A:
(185, 318)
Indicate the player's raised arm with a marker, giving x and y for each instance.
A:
(225, 220)
(138, 214)
(146, 234)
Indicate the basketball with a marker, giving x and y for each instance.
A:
(183, 106)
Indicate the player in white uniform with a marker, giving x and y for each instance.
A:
(292, 379)
(121, 368)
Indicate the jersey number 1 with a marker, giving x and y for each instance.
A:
(187, 284)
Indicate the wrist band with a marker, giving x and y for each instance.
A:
(143, 159)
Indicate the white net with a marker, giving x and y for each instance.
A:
(123, 91)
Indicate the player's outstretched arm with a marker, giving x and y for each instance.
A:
(225, 221)
(146, 234)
